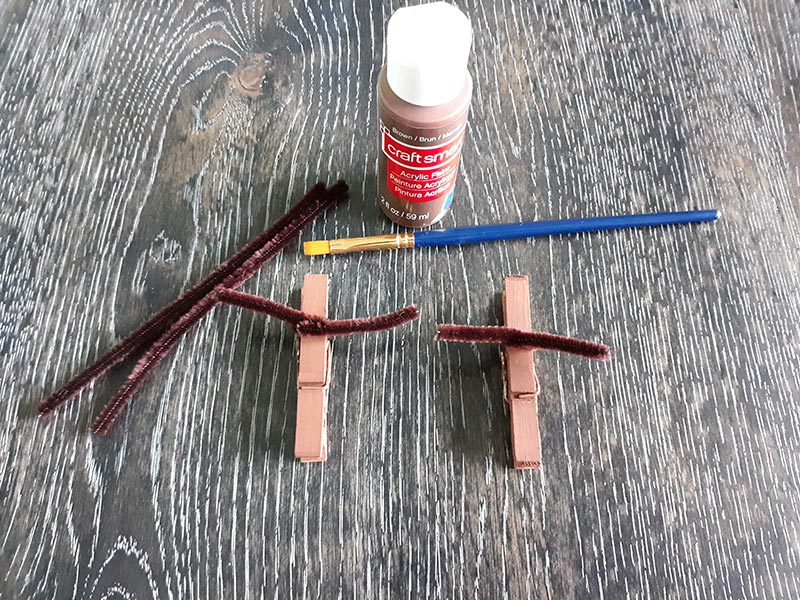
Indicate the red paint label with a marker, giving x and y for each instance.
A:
(421, 174)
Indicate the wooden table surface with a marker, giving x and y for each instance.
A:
(130, 165)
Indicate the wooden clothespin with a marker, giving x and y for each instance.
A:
(313, 377)
(521, 383)
(311, 323)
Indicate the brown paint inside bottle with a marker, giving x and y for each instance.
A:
(412, 192)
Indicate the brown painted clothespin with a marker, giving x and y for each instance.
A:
(315, 331)
(521, 383)
(311, 323)
(313, 377)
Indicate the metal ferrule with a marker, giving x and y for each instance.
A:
(375, 242)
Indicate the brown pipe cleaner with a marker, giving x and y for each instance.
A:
(517, 338)
(166, 327)
(102, 424)
(157, 325)
(305, 324)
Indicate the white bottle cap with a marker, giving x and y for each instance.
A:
(427, 48)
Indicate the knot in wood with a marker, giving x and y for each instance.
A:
(248, 78)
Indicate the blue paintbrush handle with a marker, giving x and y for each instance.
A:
(491, 233)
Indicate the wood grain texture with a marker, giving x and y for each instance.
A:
(134, 156)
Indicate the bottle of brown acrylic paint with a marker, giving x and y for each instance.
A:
(424, 92)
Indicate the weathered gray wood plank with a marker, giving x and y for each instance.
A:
(129, 166)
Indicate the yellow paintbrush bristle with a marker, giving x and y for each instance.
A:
(317, 247)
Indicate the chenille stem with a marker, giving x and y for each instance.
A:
(329, 327)
(102, 424)
(157, 325)
(516, 338)
(306, 324)
(264, 306)
(173, 334)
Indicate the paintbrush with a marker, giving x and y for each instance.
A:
(492, 233)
